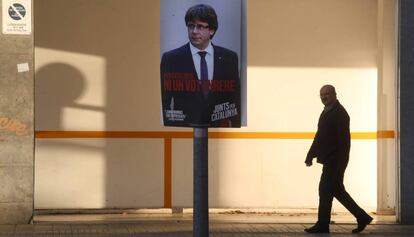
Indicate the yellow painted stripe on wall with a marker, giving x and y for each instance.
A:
(168, 136)
(385, 134)
(111, 134)
(167, 173)
(213, 135)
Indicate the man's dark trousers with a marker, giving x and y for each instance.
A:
(331, 185)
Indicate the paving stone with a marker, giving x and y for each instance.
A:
(184, 229)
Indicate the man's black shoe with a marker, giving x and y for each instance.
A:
(317, 229)
(362, 224)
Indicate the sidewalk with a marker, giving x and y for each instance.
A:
(180, 225)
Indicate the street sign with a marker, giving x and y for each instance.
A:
(17, 17)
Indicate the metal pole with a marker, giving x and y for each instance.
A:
(200, 185)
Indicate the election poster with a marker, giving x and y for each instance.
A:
(200, 64)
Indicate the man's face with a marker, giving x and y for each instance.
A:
(328, 96)
(199, 33)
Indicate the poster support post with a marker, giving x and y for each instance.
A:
(200, 185)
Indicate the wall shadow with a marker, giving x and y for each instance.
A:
(317, 33)
(125, 34)
(57, 86)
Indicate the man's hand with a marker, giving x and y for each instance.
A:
(309, 163)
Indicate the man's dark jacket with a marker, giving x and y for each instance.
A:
(194, 104)
(332, 141)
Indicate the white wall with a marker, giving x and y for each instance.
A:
(111, 52)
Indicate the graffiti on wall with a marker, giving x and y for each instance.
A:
(12, 125)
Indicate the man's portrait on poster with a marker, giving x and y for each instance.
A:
(200, 81)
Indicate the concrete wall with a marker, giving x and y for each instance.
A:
(387, 105)
(16, 127)
(406, 129)
(97, 68)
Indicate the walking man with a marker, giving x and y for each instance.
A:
(331, 147)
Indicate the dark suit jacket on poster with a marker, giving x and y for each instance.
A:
(183, 102)
(332, 141)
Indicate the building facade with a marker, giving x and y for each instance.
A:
(99, 139)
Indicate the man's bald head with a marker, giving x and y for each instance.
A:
(328, 95)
